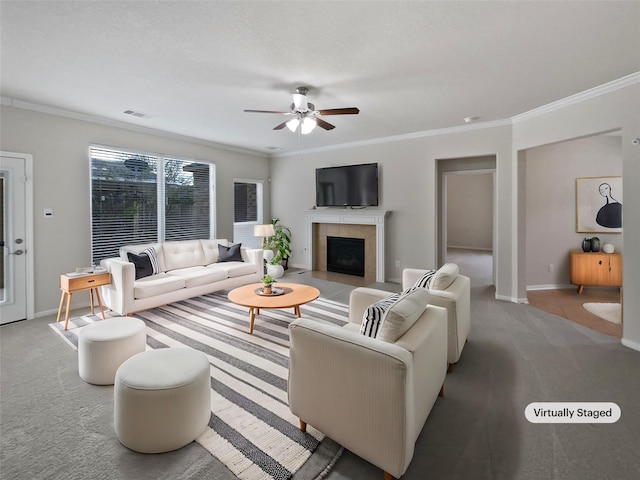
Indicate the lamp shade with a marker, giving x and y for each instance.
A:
(308, 124)
(293, 124)
(263, 230)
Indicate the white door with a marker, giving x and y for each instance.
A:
(13, 233)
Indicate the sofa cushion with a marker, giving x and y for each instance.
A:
(210, 249)
(444, 277)
(196, 276)
(234, 269)
(229, 254)
(142, 263)
(157, 285)
(403, 314)
(425, 279)
(183, 254)
(374, 315)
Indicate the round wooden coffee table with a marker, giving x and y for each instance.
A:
(294, 295)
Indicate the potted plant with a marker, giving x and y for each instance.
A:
(274, 266)
(280, 243)
(267, 282)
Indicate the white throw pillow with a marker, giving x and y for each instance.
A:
(444, 277)
(403, 314)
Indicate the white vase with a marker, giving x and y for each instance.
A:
(267, 255)
(276, 271)
(608, 248)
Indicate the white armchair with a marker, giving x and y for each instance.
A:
(453, 292)
(371, 396)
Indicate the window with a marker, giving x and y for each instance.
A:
(247, 208)
(145, 198)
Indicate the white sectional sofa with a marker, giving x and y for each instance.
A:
(185, 269)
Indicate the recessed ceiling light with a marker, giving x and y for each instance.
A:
(273, 148)
(470, 119)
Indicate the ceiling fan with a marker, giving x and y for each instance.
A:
(305, 115)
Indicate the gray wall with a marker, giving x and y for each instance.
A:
(577, 118)
(60, 149)
(408, 182)
(408, 179)
(551, 173)
(408, 185)
(470, 210)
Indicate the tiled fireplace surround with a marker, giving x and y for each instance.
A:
(367, 224)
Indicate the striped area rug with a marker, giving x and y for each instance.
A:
(251, 430)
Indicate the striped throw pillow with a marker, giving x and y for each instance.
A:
(151, 253)
(425, 279)
(374, 315)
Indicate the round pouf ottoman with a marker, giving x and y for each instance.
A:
(103, 346)
(162, 399)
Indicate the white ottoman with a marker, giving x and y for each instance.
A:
(162, 399)
(103, 346)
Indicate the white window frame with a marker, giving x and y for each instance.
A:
(161, 189)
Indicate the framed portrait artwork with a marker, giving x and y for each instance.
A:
(599, 205)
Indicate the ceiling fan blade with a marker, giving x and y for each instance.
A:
(281, 126)
(322, 124)
(267, 111)
(340, 111)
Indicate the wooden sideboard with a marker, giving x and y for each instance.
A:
(596, 269)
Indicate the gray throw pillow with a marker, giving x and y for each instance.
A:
(229, 254)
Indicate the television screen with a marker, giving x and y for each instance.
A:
(347, 186)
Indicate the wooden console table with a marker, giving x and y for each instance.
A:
(69, 284)
(596, 269)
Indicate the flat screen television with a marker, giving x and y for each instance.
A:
(347, 186)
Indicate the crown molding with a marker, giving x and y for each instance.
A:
(36, 107)
(579, 97)
(398, 138)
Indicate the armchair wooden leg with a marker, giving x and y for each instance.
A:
(303, 425)
(441, 394)
(451, 367)
(387, 476)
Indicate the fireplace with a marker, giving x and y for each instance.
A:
(368, 223)
(345, 255)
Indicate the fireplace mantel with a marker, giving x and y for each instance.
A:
(363, 216)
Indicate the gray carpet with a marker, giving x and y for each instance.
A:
(55, 426)
(251, 431)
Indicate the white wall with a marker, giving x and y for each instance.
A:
(60, 149)
(551, 172)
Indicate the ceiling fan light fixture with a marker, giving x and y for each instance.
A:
(307, 126)
(293, 124)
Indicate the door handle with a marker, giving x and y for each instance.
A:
(17, 252)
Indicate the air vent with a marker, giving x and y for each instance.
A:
(137, 114)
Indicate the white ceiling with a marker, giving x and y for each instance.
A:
(409, 66)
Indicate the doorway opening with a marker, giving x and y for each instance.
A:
(466, 216)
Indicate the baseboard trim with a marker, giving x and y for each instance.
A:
(506, 298)
(549, 287)
(465, 247)
(631, 344)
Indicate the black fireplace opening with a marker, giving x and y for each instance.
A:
(345, 255)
